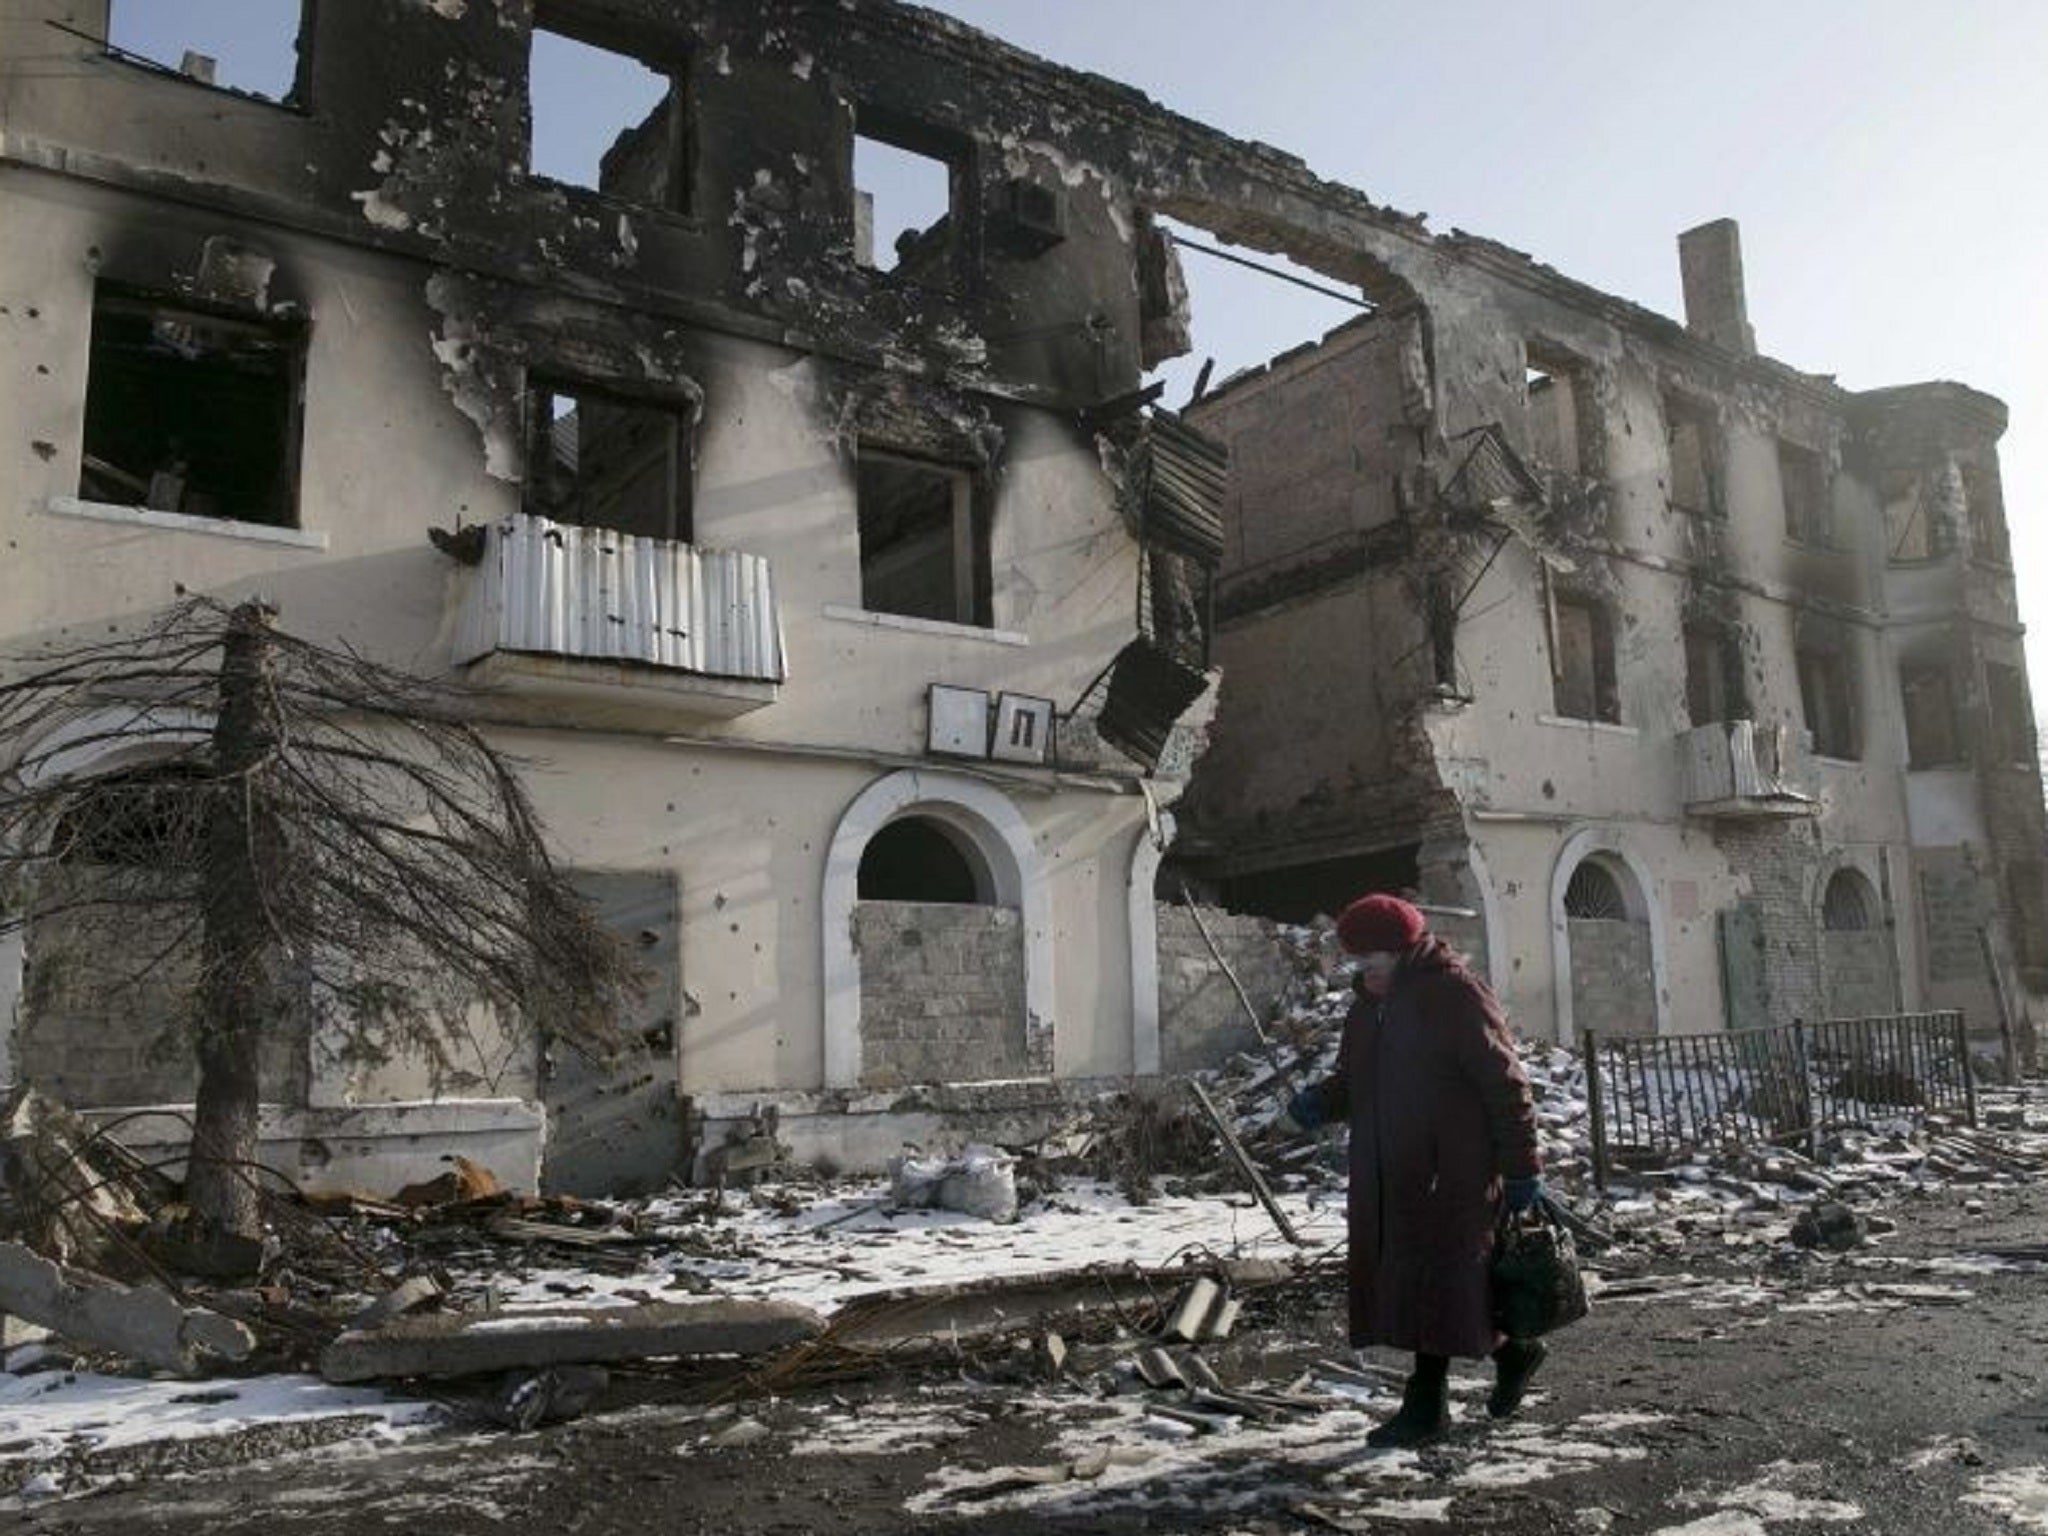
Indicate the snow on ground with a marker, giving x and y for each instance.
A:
(2020, 1494)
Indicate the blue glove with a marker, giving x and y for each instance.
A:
(1522, 1194)
(1304, 1111)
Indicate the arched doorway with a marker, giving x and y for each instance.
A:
(1856, 960)
(937, 932)
(1609, 952)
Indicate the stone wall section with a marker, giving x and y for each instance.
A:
(1201, 1022)
(941, 994)
(1613, 988)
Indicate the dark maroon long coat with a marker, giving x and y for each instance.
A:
(1440, 1112)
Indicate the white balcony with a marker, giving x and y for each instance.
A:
(1734, 769)
(615, 621)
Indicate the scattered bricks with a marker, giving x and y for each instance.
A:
(143, 1323)
(1830, 1225)
(445, 1344)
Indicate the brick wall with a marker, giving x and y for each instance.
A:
(1858, 969)
(1201, 1022)
(1778, 860)
(941, 994)
(101, 1003)
(1612, 987)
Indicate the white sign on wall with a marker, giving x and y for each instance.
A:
(1023, 729)
(958, 725)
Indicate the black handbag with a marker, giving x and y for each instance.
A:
(1537, 1287)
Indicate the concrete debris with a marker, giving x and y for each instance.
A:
(980, 1181)
(409, 1295)
(464, 1180)
(1830, 1224)
(62, 1190)
(445, 1344)
(141, 1323)
(528, 1399)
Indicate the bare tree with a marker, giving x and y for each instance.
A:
(311, 842)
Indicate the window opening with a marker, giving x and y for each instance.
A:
(1985, 506)
(1692, 443)
(1443, 635)
(1846, 906)
(1928, 695)
(923, 546)
(1583, 668)
(191, 411)
(1712, 679)
(1912, 528)
(1553, 386)
(1825, 697)
(919, 859)
(249, 48)
(1803, 481)
(603, 461)
(1593, 894)
(2012, 723)
(605, 119)
(903, 207)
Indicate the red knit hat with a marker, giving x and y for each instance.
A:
(1380, 922)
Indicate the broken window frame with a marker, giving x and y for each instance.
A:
(961, 223)
(2010, 732)
(1827, 700)
(289, 335)
(1984, 512)
(1713, 674)
(538, 426)
(1901, 545)
(1561, 370)
(1927, 704)
(593, 27)
(297, 98)
(1599, 692)
(972, 567)
(1805, 495)
(1681, 410)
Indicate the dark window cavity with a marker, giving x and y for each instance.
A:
(605, 461)
(1828, 700)
(1928, 695)
(1847, 906)
(1583, 668)
(1694, 445)
(908, 185)
(252, 48)
(1594, 895)
(1803, 482)
(923, 541)
(919, 859)
(1713, 680)
(1912, 519)
(2012, 723)
(192, 411)
(604, 116)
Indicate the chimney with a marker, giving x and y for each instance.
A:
(1710, 262)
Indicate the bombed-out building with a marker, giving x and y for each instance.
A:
(1696, 678)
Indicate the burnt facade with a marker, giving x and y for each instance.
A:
(1697, 678)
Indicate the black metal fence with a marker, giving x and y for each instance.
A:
(1656, 1099)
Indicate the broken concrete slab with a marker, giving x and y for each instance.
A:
(409, 1295)
(447, 1344)
(143, 1323)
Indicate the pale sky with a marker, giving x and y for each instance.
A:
(1887, 159)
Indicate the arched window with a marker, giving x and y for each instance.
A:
(1593, 892)
(919, 858)
(1847, 907)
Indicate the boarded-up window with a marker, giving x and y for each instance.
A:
(1912, 519)
(1694, 447)
(1803, 479)
(1829, 703)
(1847, 906)
(2012, 724)
(1928, 696)
(1984, 504)
(1583, 668)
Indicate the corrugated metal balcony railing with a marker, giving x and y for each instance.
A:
(657, 607)
(1731, 768)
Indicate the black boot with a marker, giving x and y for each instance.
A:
(1425, 1407)
(1514, 1363)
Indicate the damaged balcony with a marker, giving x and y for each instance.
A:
(596, 619)
(1732, 770)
